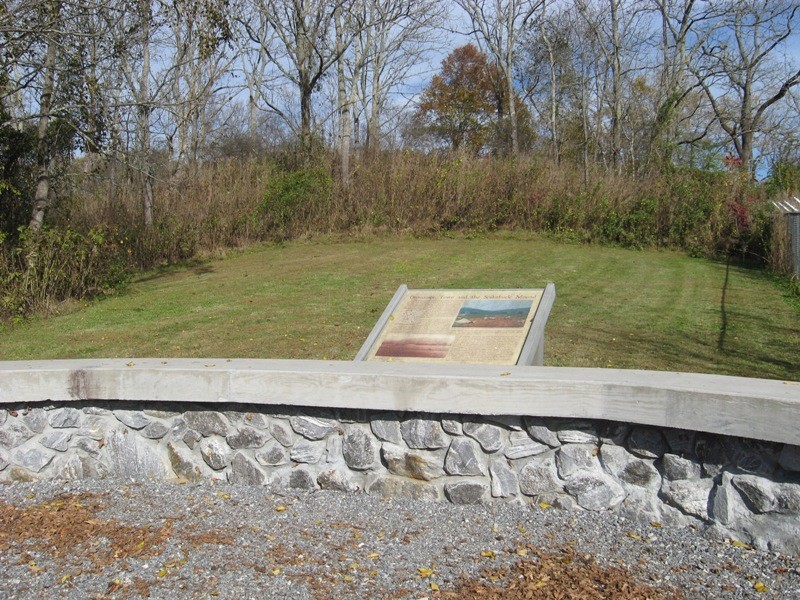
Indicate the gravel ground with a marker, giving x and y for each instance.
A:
(112, 539)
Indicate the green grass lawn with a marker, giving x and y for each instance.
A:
(615, 308)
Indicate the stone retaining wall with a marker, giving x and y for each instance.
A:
(746, 489)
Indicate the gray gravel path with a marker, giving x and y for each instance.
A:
(204, 540)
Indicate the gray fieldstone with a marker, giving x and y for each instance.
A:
(56, 440)
(520, 445)
(36, 419)
(504, 480)
(160, 414)
(390, 487)
(300, 479)
(541, 433)
(273, 455)
(214, 454)
(14, 434)
(65, 418)
(752, 462)
(207, 422)
(247, 437)
(764, 496)
(712, 453)
(129, 456)
(88, 445)
(386, 429)
(540, 476)
(184, 464)
(256, 420)
(132, 418)
(410, 464)
(572, 458)
(424, 433)
(680, 441)
(178, 428)
(70, 469)
(728, 507)
(628, 468)
(336, 479)
(490, 437)
(578, 432)
(689, 496)
(191, 438)
(511, 422)
(33, 459)
(677, 468)
(312, 428)
(97, 411)
(4, 459)
(595, 491)
(244, 471)
(333, 449)
(790, 458)
(155, 431)
(4, 416)
(95, 427)
(452, 427)
(463, 458)
(647, 442)
(359, 449)
(465, 492)
(614, 433)
(281, 433)
(307, 452)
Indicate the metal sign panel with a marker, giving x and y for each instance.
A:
(461, 326)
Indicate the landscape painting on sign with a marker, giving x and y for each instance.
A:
(415, 346)
(493, 313)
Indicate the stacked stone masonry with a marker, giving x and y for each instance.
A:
(746, 489)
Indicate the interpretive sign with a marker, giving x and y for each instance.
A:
(462, 326)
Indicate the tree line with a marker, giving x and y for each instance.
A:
(125, 87)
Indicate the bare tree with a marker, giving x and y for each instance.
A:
(743, 67)
(303, 50)
(497, 26)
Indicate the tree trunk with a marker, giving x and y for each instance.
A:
(43, 149)
(343, 99)
(145, 169)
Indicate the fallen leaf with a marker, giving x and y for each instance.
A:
(130, 364)
(280, 508)
(162, 572)
(373, 555)
(348, 578)
(759, 586)
(487, 554)
(544, 505)
(504, 373)
(655, 523)
(741, 545)
(634, 536)
(223, 495)
(425, 572)
(276, 571)
(434, 587)
(33, 566)
(522, 551)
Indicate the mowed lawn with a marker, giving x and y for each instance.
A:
(319, 300)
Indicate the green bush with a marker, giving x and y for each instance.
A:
(292, 197)
(53, 265)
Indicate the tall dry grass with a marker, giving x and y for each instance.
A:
(98, 232)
